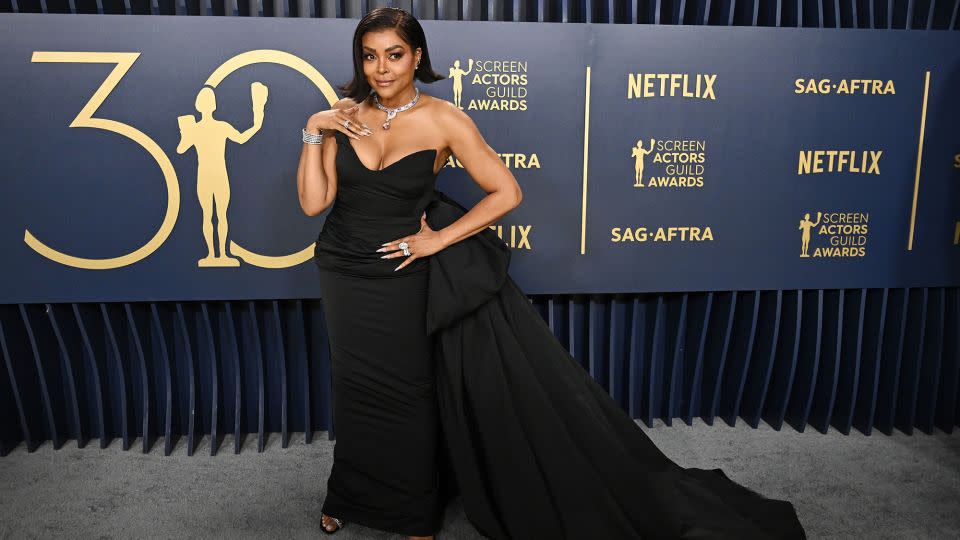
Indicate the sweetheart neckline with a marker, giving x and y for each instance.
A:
(411, 154)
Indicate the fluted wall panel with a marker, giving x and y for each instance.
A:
(847, 359)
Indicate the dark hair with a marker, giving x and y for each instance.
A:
(408, 28)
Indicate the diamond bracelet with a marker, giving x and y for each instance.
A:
(310, 138)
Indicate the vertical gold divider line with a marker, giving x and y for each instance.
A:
(586, 139)
(916, 180)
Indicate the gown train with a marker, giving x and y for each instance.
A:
(536, 448)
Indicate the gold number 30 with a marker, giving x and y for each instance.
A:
(85, 118)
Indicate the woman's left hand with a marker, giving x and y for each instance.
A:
(423, 244)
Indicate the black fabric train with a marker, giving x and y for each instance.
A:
(536, 448)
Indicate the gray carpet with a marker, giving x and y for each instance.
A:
(843, 486)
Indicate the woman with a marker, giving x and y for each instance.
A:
(440, 361)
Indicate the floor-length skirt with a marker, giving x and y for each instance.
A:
(385, 471)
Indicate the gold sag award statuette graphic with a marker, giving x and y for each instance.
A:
(840, 234)
(503, 84)
(208, 136)
(682, 163)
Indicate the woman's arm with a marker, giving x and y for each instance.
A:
(486, 169)
(316, 188)
(316, 172)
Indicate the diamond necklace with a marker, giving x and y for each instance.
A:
(393, 112)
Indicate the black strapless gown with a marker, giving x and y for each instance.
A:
(533, 445)
(385, 459)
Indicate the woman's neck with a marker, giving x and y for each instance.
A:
(399, 100)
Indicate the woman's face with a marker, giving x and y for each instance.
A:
(388, 62)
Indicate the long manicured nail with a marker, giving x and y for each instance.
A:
(384, 256)
(395, 269)
(385, 244)
(381, 249)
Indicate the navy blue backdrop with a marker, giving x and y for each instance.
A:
(652, 158)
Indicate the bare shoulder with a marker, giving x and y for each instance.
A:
(446, 111)
(451, 120)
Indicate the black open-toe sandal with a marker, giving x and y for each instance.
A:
(335, 520)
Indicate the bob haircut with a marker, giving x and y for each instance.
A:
(408, 28)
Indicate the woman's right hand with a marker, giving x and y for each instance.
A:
(335, 118)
